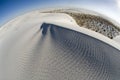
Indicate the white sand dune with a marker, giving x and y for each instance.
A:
(51, 46)
(117, 39)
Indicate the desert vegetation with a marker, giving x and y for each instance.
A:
(92, 22)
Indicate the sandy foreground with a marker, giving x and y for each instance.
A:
(51, 46)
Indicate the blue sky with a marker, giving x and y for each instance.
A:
(11, 8)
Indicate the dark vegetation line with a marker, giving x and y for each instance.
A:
(92, 22)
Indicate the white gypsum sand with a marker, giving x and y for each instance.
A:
(50, 46)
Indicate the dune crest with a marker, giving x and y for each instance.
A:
(51, 46)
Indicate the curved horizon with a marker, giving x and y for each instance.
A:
(11, 9)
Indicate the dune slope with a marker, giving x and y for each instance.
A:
(54, 47)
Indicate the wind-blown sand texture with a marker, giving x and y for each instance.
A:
(51, 46)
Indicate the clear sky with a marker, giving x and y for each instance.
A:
(11, 8)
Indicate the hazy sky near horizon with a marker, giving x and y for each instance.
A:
(11, 8)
